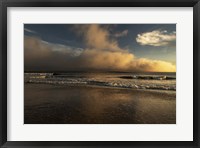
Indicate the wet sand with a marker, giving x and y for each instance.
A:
(51, 104)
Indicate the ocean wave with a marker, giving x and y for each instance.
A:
(75, 75)
(148, 77)
(104, 80)
(77, 82)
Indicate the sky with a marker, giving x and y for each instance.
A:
(100, 47)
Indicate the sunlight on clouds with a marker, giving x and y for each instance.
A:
(96, 37)
(153, 65)
(101, 53)
(97, 59)
(156, 38)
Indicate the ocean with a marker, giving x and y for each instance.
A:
(99, 98)
(156, 81)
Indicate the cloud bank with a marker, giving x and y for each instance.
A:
(101, 53)
(156, 38)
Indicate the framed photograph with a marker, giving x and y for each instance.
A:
(99, 73)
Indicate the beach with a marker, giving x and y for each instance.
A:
(100, 73)
(61, 104)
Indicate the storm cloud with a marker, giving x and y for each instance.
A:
(101, 53)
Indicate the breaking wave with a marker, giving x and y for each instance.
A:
(158, 82)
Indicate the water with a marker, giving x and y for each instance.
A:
(99, 98)
(158, 81)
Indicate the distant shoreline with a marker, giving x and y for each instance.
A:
(97, 72)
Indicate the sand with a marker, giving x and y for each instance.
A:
(51, 104)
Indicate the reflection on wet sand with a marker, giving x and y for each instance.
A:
(49, 104)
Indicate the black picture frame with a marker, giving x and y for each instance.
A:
(4, 4)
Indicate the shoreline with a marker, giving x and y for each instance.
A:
(49, 104)
(99, 86)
